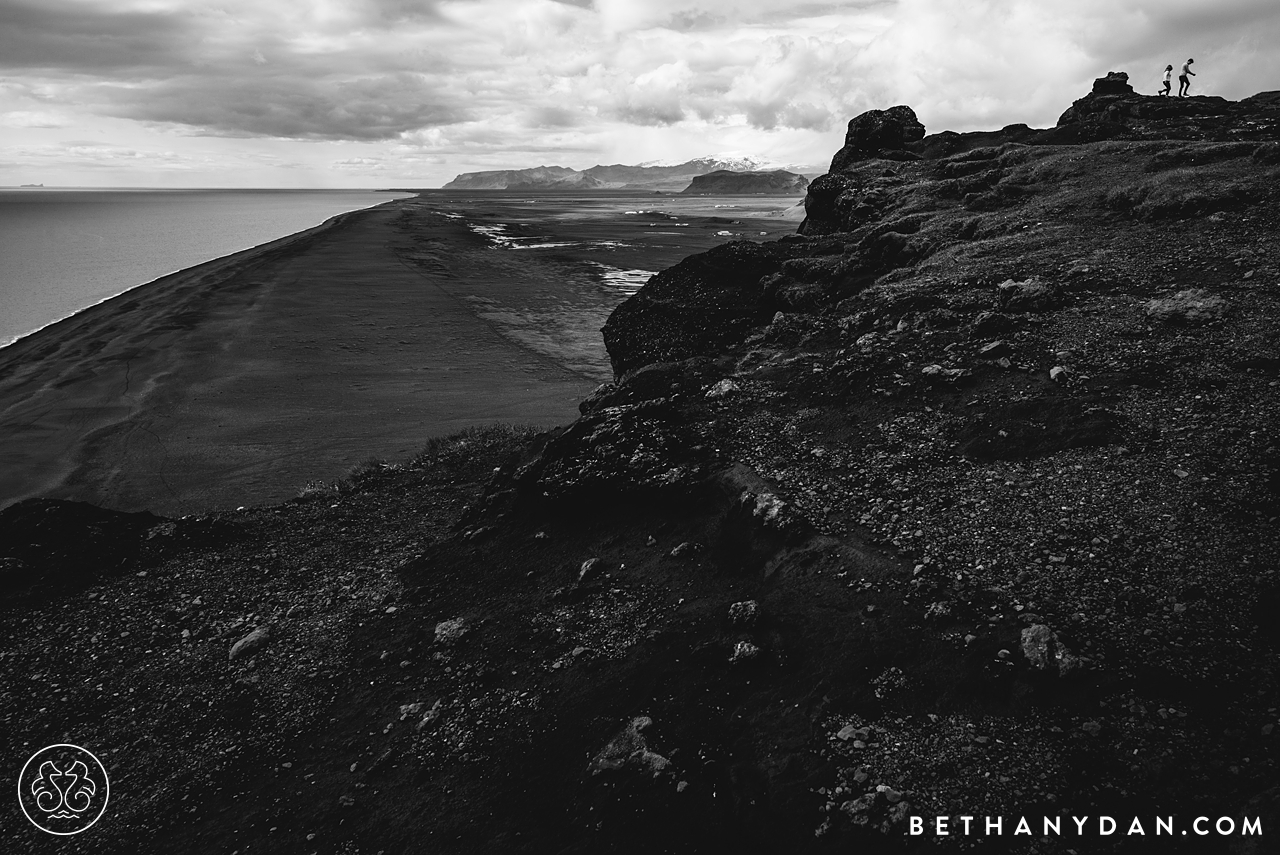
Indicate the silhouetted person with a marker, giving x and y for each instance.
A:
(1183, 83)
(1168, 72)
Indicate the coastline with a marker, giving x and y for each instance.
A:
(238, 380)
(158, 280)
(9, 337)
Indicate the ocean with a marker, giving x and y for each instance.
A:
(65, 250)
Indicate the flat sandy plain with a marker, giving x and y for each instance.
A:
(238, 381)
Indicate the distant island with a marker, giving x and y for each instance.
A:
(653, 175)
(727, 182)
(30, 186)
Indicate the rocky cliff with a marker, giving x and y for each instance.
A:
(727, 183)
(962, 501)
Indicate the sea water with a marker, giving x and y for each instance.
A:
(63, 250)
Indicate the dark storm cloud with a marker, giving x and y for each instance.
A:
(374, 108)
(78, 38)
(343, 72)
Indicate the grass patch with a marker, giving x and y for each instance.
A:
(1187, 156)
(472, 443)
(1179, 193)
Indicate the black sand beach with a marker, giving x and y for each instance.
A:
(238, 381)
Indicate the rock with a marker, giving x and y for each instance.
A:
(744, 613)
(1029, 295)
(1115, 83)
(994, 349)
(591, 570)
(891, 795)
(431, 715)
(992, 323)
(1058, 373)
(1190, 306)
(449, 631)
(1092, 728)
(846, 733)
(683, 550)
(629, 750)
(879, 134)
(250, 644)
(744, 651)
(723, 389)
(599, 398)
(1044, 651)
(695, 307)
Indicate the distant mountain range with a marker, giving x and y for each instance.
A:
(651, 175)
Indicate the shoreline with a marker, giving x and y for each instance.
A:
(154, 280)
(238, 380)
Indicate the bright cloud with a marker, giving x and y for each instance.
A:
(423, 89)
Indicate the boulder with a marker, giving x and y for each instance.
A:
(879, 134)
(1114, 83)
(695, 308)
(449, 631)
(1190, 306)
(628, 750)
(250, 644)
(1046, 652)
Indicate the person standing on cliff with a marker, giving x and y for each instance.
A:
(1183, 83)
(1168, 72)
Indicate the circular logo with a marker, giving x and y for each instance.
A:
(63, 789)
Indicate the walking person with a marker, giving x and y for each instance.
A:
(1168, 73)
(1183, 83)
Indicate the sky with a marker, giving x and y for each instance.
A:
(409, 93)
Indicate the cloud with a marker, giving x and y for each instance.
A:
(506, 82)
(33, 119)
(83, 154)
(369, 108)
(77, 37)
